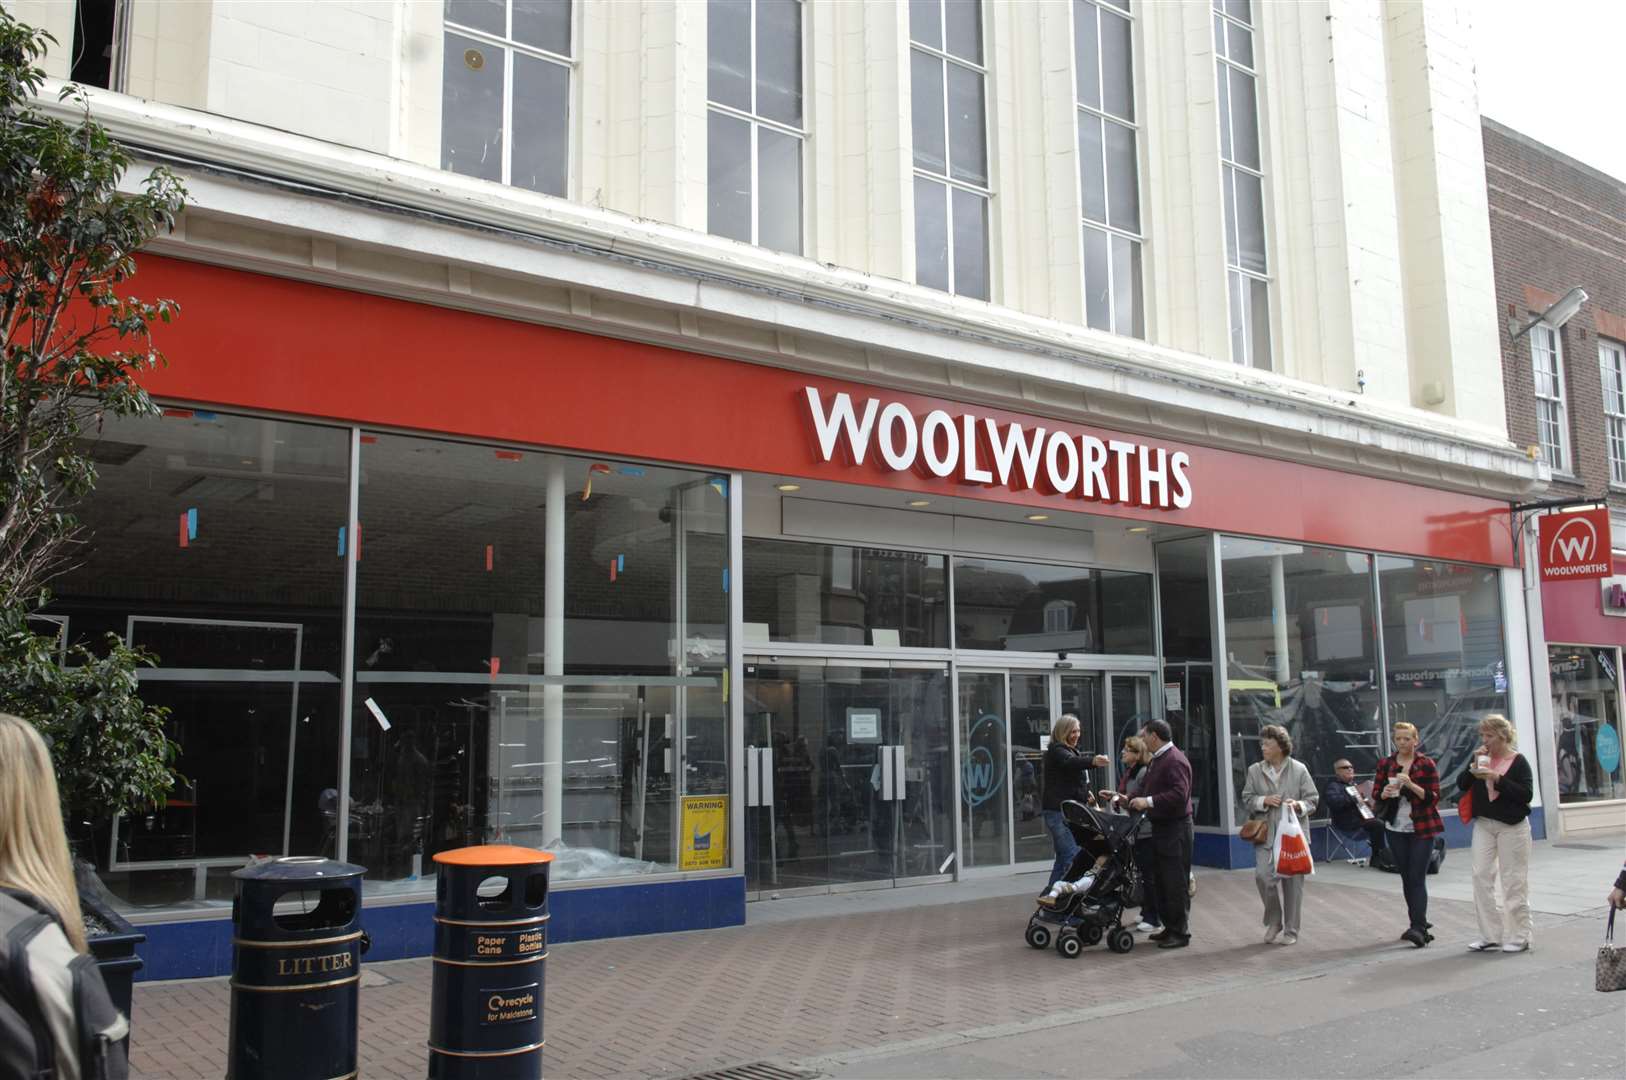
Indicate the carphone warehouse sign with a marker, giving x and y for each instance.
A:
(979, 450)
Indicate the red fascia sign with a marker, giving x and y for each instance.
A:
(333, 354)
(979, 450)
(1575, 545)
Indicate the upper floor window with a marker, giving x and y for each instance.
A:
(1242, 166)
(1612, 359)
(1109, 171)
(948, 86)
(505, 99)
(1552, 427)
(754, 131)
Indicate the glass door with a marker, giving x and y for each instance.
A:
(1005, 722)
(847, 773)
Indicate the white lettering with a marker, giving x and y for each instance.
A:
(939, 421)
(1012, 446)
(1095, 468)
(1121, 453)
(1061, 444)
(841, 417)
(891, 417)
(974, 474)
(1181, 488)
(1157, 475)
(1075, 465)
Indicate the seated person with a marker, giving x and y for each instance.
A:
(1082, 875)
(1349, 810)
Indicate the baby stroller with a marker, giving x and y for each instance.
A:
(1083, 916)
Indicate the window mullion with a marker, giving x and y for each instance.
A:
(508, 116)
(756, 184)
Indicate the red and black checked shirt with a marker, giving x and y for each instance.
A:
(1425, 815)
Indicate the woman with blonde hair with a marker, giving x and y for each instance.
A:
(1498, 784)
(47, 982)
(1276, 786)
(1406, 793)
(1065, 777)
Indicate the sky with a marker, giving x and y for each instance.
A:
(1556, 71)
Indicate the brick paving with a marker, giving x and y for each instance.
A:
(677, 1004)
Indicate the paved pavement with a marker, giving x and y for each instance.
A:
(935, 981)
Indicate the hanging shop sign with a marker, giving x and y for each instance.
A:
(1614, 596)
(1575, 545)
(979, 450)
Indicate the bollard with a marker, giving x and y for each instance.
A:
(491, 944)
(295, 974)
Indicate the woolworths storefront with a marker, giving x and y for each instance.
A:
(419, 578)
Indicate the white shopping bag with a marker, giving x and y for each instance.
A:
(1290, 854)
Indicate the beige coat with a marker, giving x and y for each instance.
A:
(1294, 783)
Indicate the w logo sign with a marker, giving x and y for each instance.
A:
(1575, 545)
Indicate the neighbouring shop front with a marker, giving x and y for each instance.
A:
(710, 631)
(1585, 625)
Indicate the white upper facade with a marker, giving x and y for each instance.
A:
(1261, 225)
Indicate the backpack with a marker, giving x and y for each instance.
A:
(56, 1019)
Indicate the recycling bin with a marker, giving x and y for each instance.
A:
(491, 948)
(296, 969)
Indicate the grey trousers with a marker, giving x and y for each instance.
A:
(1283, 897)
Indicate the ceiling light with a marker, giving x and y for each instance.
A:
(917, 503)
(1038, 517)
(1138, 528)
(787, 488)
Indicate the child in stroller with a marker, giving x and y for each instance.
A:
(1088, 904)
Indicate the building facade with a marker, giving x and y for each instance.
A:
(1556, 225)
(715, 440)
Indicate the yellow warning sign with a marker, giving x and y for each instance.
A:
(705, 833)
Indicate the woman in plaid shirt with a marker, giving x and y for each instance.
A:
(1406, 790)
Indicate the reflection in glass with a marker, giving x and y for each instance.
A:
(838, 595)
(1031, 720)
(541, 133)
(931, 233)
(1586, 722)
(859, 782)
(728, 176)
(471, 108)
(1298, 636)
(460, 697)
(1036, 607)
(1184, 596)
(779, 184)
(1442, 644)
(984, 807)
(210, 542)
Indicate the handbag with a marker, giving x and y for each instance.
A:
(1256, 830)
(1611, 969)
(1291, 856)
(1465, 807)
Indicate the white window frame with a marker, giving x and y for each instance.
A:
(1234, 268)
(1547, 341)
(510, 47)
(1612, 371)
(944, 57)
(757, 122)
(1137, 238)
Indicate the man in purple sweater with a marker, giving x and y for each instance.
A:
(1166, 798)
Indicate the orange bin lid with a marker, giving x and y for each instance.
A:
(493, 855)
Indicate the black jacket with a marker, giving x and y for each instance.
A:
(1513, 791)
(1342, 807)
(1066, 775)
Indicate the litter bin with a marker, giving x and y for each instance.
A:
(491, 944)
(295, 972)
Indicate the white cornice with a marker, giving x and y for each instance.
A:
(285, 204)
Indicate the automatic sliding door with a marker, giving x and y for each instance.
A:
(1031, 721)
(985, 812)
(847, 773)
